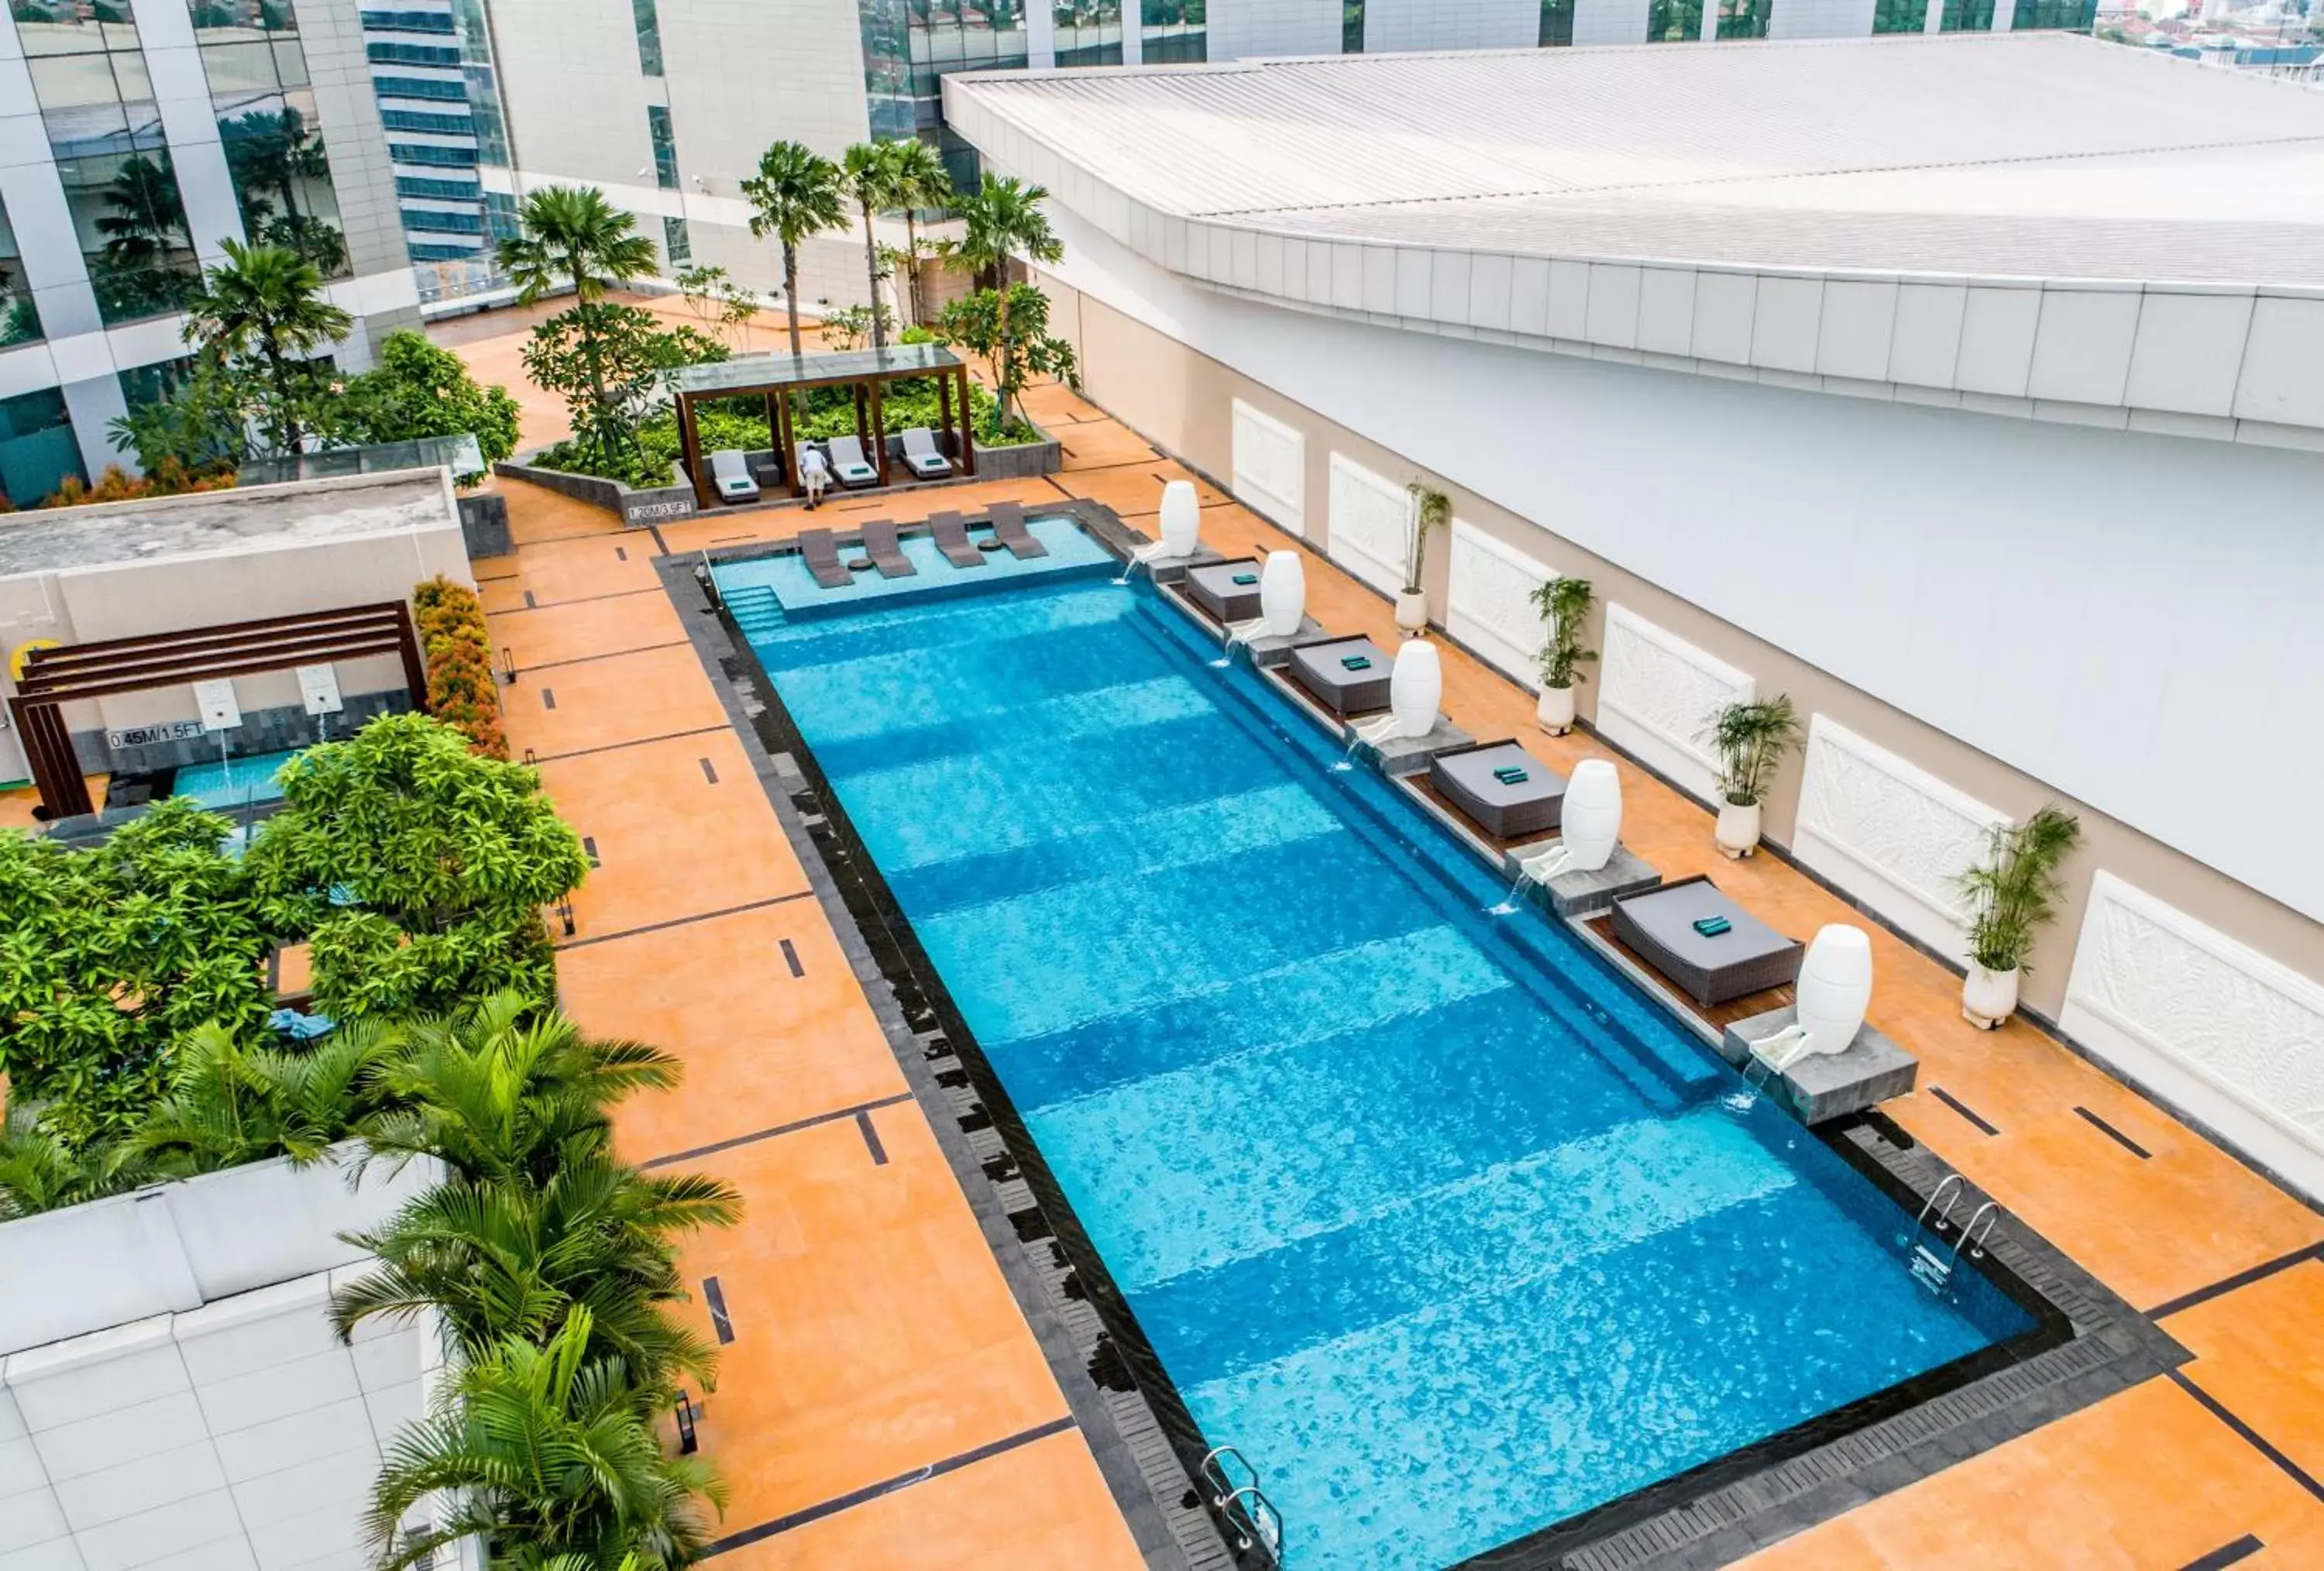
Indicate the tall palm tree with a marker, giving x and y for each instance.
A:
(1001, 222)
(871, 173)
(795, 195)
(229, 1103)
(267, 302)
(548, 1453)
(570, 236)
(921, 182)
(500, 1259)
(500, 1093)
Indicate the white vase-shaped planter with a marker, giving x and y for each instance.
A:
(1182, 518)
(1282, 592)
(1416, 688)
(1988, 997)
(1412, 612)
(1739, 829)
(1834, 987)
(1591, 819)
(1555, 710)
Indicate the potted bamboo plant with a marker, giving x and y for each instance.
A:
(2012, 894)
(1431, 510)
(1751, 739)
(1562, 603)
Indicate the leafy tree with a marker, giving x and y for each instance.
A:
(721, 304)
(848, 328)
(572, 238)
(107, 955)
(1009, 329)
(921, 182)
(498, 1259)
(612, 363)
(230, 1103)
(499, 1094)
(417, 390)
(795, 195)
(546, 1452)
(417, 868)
(202, 427)
(872, 174)
(261, 310)
(1001, 222)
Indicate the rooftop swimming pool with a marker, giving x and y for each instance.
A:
(234, 782)
(1441, 1223)
(796, 591)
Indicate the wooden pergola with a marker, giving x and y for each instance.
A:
(54, 677)
(774, 377)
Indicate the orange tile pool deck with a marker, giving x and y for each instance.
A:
(884, 1403)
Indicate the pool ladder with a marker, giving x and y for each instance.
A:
(1252, 1520)
(1932, 1270)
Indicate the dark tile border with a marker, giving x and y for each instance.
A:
(2089, 1345)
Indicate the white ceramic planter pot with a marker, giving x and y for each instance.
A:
(1555, 710)
(1282, 592)
(1835, 987)
(1739, 829)
(1592, 815)
(1182, 519)
(1412, 613)
(1988, 997)
(1415, 687)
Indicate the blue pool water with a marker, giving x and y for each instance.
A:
(795, 590)
(236, 782)
(1443, 1226)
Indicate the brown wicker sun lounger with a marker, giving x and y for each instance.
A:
(1506, 791)
(880, 545)
(1749, 957)
(1214, 589)
(951, 535)
(1322, 667)
(1008, 521)
(821, 557)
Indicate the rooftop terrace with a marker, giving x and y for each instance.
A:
(218, 522)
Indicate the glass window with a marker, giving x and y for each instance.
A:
(444, 89)
(1674, 21)
(1967, 16)
(413, 55)
(273, 137)
(73, 26)
(648, 21)
(434, 155)
(665, 146)
(439, 190)
(1556, 23)
(142, 386)
(678, 241)
(2076, 15)
(406, 22)
(20, 322)
(1174, 31)
(1900, 15)
(38, 453)
(427, 124)
(1089, 33)
(1743, 18)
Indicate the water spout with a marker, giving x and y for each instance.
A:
(1238, 633)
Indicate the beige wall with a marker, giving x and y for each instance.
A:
(1182, 400)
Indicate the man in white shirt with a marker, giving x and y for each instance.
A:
(814, 473)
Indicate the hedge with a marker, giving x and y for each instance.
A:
(461, 690)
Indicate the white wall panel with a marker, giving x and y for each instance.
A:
(1609, 21)
(1390, 25)
(1657, 694)
(1370, 524)
(2221, 1030)
(1488, 602)
(1889, 833)
(1270, 468)
(1244, 29)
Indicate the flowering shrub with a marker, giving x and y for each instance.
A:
(461, 688)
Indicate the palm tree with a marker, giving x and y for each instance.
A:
(872, 176)
(39, 1172)
(1001, 222)
(229, 1103)
(502, 1094)
(499, 1259)
(921, 182)
(548, 1453)
(266, 301)
(795, 194)
(571, 238)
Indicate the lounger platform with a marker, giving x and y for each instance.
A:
(1320, 667)
(1749, 957)
(1827, 1085)
(1514, 809)
(1212, 587)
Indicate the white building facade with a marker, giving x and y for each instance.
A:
(2002, 458)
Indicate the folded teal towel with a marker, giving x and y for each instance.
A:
(1711, 927)
(1358, 662)
(1510, 776)
(1246, 579)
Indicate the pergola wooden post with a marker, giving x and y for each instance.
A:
(54, 677)
(967, 423)
(879, 436)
